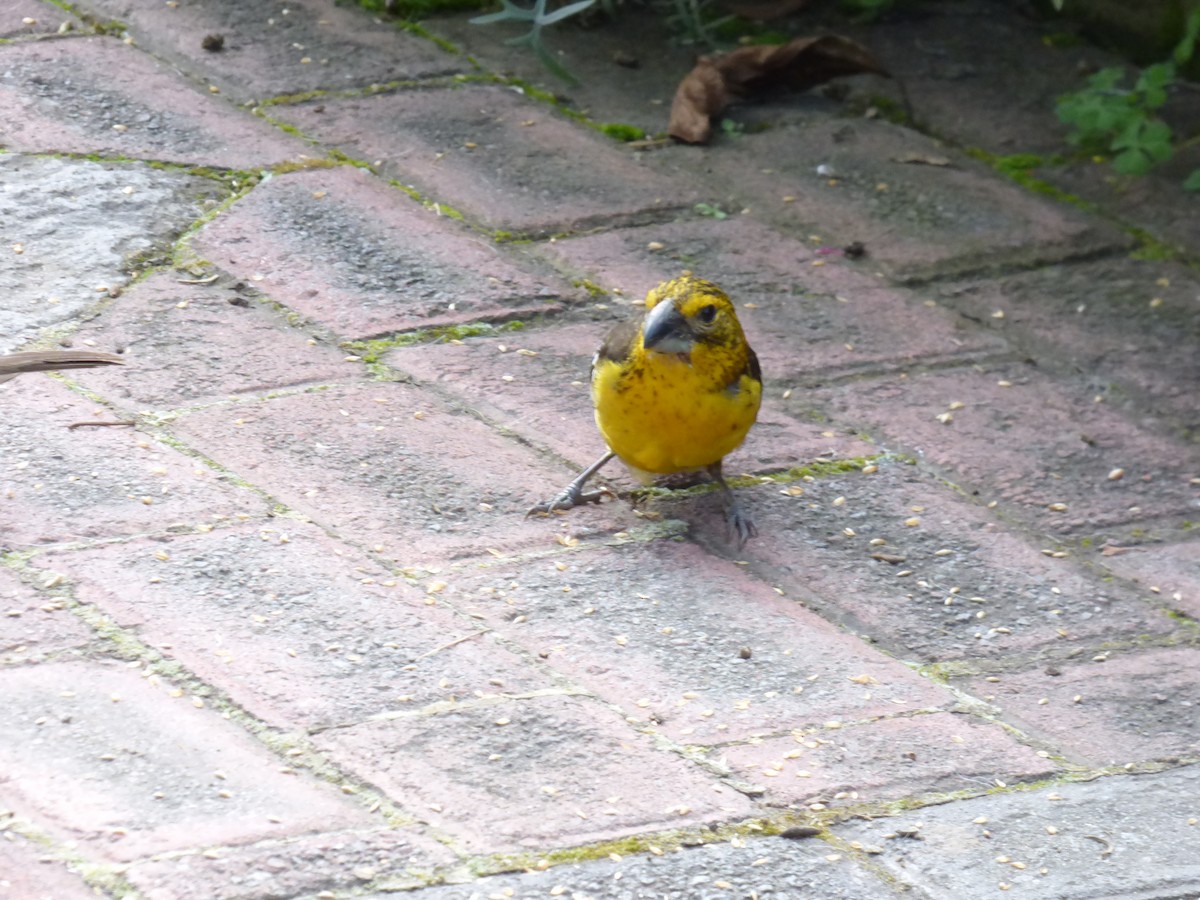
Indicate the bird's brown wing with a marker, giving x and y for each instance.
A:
(618, 344)
(15, 364)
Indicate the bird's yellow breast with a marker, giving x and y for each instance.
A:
(664, 413)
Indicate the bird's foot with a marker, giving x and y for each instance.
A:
(569, 498)
(738, 523)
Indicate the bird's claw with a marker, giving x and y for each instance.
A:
(568, 499)
(737, 522)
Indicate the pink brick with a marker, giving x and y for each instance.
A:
(291, 48)
(552, 771)
(916, 221)
(29, 872)
(884, 760)
(807, 315)
(347, 250)
(1108, 708)
(280, 630)
(67, 96)
(307, 865)
(388, 464)
(33, 625)
(1031, 445)
(89, 745)
(236, 344)
(1095, 323)
(539, 179)
(660, 631)
(45, 19)
(63, 485)
(1005, 595)
(1168, 574)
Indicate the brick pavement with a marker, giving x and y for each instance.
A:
(290, 635)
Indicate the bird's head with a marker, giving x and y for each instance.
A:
(685, 312)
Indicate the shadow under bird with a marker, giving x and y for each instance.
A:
(14, 364)
(674, 392)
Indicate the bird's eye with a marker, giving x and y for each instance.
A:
(707, 314)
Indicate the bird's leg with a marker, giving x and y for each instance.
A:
(736, 521)
(573, 494)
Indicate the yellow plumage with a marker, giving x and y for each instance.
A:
(674, 392)
(668, 412)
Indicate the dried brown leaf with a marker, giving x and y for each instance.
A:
(799, 64)
(699, 97)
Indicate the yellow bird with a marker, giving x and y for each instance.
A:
(674, 392)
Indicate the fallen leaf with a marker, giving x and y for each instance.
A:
(799, 64)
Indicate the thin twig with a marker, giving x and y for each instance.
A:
(75, 425)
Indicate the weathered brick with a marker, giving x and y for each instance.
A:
(272, 615)
(347, 250)
(33, 625)
(71, 247)
(101, 755)
(99, 95)
(388, 465)
(1118, 328)
(688, 644)
(19, 18)
(508, 163)
(1027, 441)
(306, 865)
(764, 868)
(300, 46)
(884, 760)
(1114, 708)
(916, 221)
(1109, 837)
(27, 872)
(542, 772)
(1169, 573)
(956, 583)
(236, 344)
(72, 485)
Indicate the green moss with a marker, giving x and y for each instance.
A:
(414, 29)
(594, 290)
(622, 132)
(825, 468)
(419, 9)
(1151, 248)
(372, 350)
(1017, 163)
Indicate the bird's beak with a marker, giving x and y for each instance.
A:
(666, 331)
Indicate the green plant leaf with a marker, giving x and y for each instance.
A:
(510, 13)
(1107, 79)
(1153, 83)
(569, 10)
(1191, 32)
(1131, 162)
(1192, 183)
